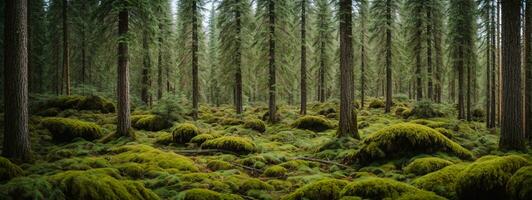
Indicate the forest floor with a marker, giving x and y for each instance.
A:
(415, 152)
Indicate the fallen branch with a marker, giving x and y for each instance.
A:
(322, 161)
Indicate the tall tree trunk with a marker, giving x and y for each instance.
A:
(123, 112)
(512, 136)
(272, 110)
(83, 46)
(528, 71)
(469, 67)
(438, 64)
(322, 72)
(16, 133)
(303, 108)
(195, 86)
(461, 72)
(160, 64)
(493, 72)
(145, 75)
(488, 67)
(419, 80)
(430, 93)
(363, 58)
(66, 52)
(238, 62)
(388, 106)
(348, 120)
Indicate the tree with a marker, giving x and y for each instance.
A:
(493, 71)
(303, 107)
(195, 85)
(528, 70)
(348, 120)
(323, 45)
(512, 136)
(145, 75)
(66, 51)
(272, 107)
(16, 133)
(123, 110)
(363, 18)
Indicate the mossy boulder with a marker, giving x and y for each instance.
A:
(65, 129)
(231, 143)
(405, 139)
(8, 170)
(149, 122)
(94, 103)
(201, 138)
(205, 194)
(216, 165)
(230, 121)
(520, 184)
(255, 124)
(32, 187)
(376, 103)
(152, 158)
(422, 166)
(487, 178)
(313, 123)
(254, 184)
(184, 132)
(442, 182)
(329, 189)
(275, 171)
(381, 188)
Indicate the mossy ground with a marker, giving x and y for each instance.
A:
(223, 156)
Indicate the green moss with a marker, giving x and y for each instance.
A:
(204, 194)
(231, 121)
(275, 171)
(153, 158)
(34, 187)
(425, 109)
(448, 133)
(363, 125)
(399, 110)
(134, 170)
(231, 143)
(324, 189)
(64, 129)
(83, 163)
(520, 184)
(149, 122)
(8, 170)
(429, 123)
(201, 138)
(487, 179)
(313, 123)
(255, 124)
(380, 188)
(184, 132)
(294, 164)
(254, 184)
(404, 139)
(164, 138)
(218, 165)
(442, 182)
(376, 103)
(423, 166)
(280, 185)
(80, 103)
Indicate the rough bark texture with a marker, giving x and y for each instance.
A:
(493, 72)
(528, 71)
(347, 124)
(512, 136)
(66, 52)
(160, 65)
(146, 64)
(419, 80)
(430, 93)
(16, 133)
(123, 112)
(195, 84)
(388, 106)
(461, 71)
(238, 62)
(272, 109)
(488, 68)
(303, 108)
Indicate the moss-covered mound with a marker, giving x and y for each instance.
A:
(151, 158)
(275, 171)
(487, 178)
(8, 170)
(184, 132)
(95, 103)
(149, 122)
(442, 182)
(520, 184)
(313, 123)
(405, 139)
(201, 138)
(380, 188)
(104, 183)
(324, 189)
(65, 129)
(376, 103)
(422, 166)
(34, 187)
(204, 194)
(231, 143)
(255, 124)
(218, 165)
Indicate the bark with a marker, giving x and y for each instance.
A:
(512, 136)
(303, 108)
(430, 93)
(160, 65)
(488, 68)
(363, 58)
(238, 62)
(348, 121)
(469, 67)
(388, 106)
(461, 72)
(493, 71)
(16, 133)
(272, 110)
(123, 112)
(419, 80)
(195, 84)
(321, 94)
(66, 52)
(145, 75)
(528, 71)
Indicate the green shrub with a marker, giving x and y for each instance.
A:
(381, 188)
(404, 139)
(323, 189)
(442, 182)
(399, 111)
(230, 143)
(216, 165)
(28, 188)
(184, 132)
(201, 138)
(149, 122)
(255, 124)
(487, 178)
(376, 103)
(520, 184)
(478, 114)
(313, 123)
(423, 166)
(275, 171)
(8, 170)
(65, 129)
(80, 103)
(425, 109)
(169, 107)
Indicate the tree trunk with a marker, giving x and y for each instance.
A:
(419, 80)
(388, 106)
(430, 93)
(303, 110)
(123, 112)
(16, 132)
(348, 120)
(160, 64)
(145, 75)
(195, 86)
(66, 53)
(488, 66)
(272, 110)
(512, 136)
(528, 70)
(493, 103)
(469, 67)
(238, 62)
(460, 67)
(322, 72)
(363, 58)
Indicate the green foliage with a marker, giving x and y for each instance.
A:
(520, 184)
(254, 184)
(380, 188)
(65, 129)
(231, 143)
(313, 123)
(425, 109)
(216, 165)
(8, 170)
(231, 121)
(95, 103)
(322, 189)
(487, 178)
(153, 158)
(478, 114)
(169, 107)
(149, 122)
(399, 110)
(422, 166)
(184, 132)
(33, 187)
(204, 194)
(275, 171)
(255, 124)
(201, 138)
(376, 103)
(404, 139)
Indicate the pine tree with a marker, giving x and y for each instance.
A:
(528, 70)
(303, 107)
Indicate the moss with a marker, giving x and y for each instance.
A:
(294, 164)
(448, 133)
(324, 189)
(380, 188)
(423, 166)
(520, 184)
(487, 179)
(425, 109)
(204, 194)
(219, 165)
(404, 139)
(99, 184)
(399, 110)
(34, 187)
(363, 125)
(64, 129)
(153, 158)
(313, 123)
(280, 184)
(184, 132)
(8, 170)
(150, 122)
(255, 124)
(442, 182)
(376, 103)
(231, 143)
(275, 171)
(254, 184)
(83, 163)
(164, 138)
(49, 112)
(201, 138)
(231, 121)
(80, 103)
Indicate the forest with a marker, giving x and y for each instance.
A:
(266, 99)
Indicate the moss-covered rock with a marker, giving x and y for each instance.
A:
(323, 189)
(422, 166)
(442, 182)
(229, 121)
(149, 122)
(205, 194)
(231, 143)
(201, 138)
(254, 184)
(34, 187)
(381, 188)
(154, 159)
(216, 165)
(520, 184)
(95, 103)
(405, 139)
(376, 103)
(275, 171)
(255, 124)
(487, 178)
(65, 129)
(184, 132)
(313, 123)
(8, 170)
